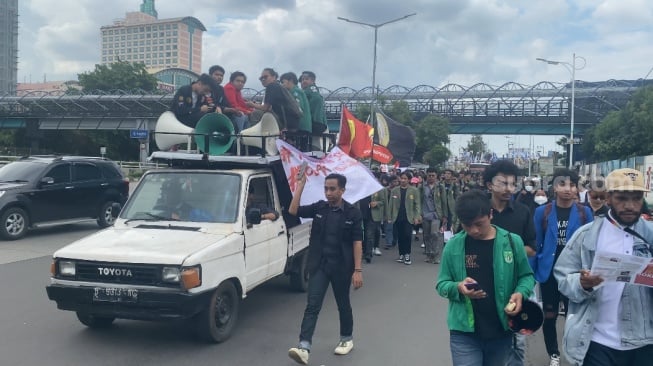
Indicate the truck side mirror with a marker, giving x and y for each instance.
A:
(47, 180)
(254, 216)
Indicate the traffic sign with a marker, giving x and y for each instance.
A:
(139, 134)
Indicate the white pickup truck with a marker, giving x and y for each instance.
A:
(186, 245)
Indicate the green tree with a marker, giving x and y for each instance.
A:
(432, 135)
(624, 133)
(121, 75)
(476, 146)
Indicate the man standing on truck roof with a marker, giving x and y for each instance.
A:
(334, 256)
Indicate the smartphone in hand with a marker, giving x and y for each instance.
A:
(474, 286)
(302, 170)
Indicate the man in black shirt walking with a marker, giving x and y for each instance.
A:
(500, 178)
(334, 257)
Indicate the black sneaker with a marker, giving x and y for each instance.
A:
(400, 259)
(407, 260)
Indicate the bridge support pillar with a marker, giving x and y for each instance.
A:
(33, 135)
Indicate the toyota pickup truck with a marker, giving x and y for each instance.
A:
(190, 243)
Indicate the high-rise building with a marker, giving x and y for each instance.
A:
(8, 46)
(158, 43)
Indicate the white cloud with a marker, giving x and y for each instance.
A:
(448, 41)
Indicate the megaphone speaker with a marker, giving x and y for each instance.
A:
(170, 131)
(267, 126)
(220, 132)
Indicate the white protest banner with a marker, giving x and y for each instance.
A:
(360, 181)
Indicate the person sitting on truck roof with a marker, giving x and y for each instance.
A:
(267, 213)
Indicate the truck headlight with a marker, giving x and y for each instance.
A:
(171, 274)
(67, 268)
(191, 277)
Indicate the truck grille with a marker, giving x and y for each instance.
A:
(133, 274)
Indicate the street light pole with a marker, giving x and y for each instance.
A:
(376, 34)
(571, 67)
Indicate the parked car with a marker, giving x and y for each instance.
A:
(48, 190)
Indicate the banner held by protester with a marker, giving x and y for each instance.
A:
(360, 181)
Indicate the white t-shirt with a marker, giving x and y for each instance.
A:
(606, 327)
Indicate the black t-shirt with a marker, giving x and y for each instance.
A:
(274, 96)
(401, 215)
(517, 219)
(563, 221)
(479, 256)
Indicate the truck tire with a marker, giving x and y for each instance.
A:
(104, 218)
(299, 275)
(217, 321)
(94, 321)
(14, 223)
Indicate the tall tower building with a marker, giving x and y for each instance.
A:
(8, 46)
(158, 43)
(147, 7)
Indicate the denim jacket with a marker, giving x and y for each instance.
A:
(636, 301)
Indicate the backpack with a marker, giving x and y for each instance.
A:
(291, 107)
(549, 206)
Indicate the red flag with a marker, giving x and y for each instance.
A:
(355, 136)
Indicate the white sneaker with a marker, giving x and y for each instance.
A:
(414, 232)
(400, 259)
(407, 260)
(299, 355)
(377, 251)
(422, 245)
(344, 347)
(555, 360)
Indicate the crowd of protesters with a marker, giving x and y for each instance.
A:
(535, 220)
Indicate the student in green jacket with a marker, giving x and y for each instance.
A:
(485, 275)
(405, 210)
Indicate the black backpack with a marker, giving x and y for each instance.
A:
(291, 107)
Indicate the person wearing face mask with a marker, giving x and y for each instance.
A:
(540, 197)
(527, 194)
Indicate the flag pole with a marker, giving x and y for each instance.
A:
(373, 114)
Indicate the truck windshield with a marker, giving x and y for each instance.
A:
(185, 196)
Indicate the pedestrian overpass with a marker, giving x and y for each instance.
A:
(511, 108)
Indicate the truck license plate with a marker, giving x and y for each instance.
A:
(115, 294)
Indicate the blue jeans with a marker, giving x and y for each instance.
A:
(318, 283)
(467, 350)
(388, 229)
(518, 351)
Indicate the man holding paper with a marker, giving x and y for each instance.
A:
(609, 323)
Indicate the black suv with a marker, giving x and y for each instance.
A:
(40, 190)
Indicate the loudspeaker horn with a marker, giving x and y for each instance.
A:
(220, 131)
(169, 131)
(267, 126)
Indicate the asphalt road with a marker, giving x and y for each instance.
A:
(399, 320)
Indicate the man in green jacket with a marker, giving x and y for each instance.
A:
(404, 210)
(315, 100)
(485, 275)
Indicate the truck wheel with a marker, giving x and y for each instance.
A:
(104, 218)
(14, 223)
(299, 275)
(216, 322)
(94, 321)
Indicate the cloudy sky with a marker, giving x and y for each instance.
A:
(448, 41)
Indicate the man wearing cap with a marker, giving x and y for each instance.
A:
(609, 323)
